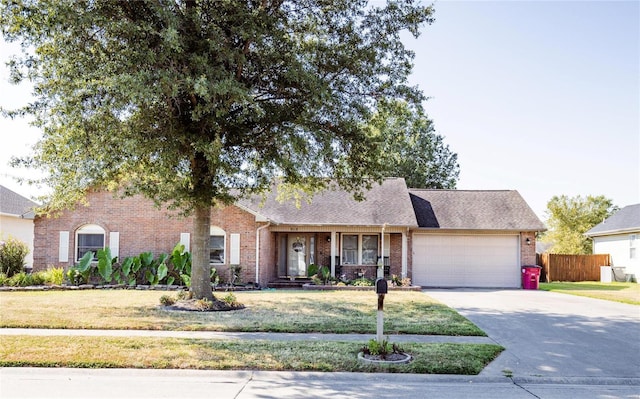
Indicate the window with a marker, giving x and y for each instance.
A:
(369, 250)
(359, 249)
(216, 245)
(89, 238)
(633, 240)
(349, 249)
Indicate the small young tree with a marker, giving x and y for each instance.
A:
(570, 217)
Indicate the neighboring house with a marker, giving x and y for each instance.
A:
(16, 219)
(619, 236)
(395, 226)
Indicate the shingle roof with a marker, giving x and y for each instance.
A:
(386, 203)
(12, 203)
(474, 210)
(626, 219)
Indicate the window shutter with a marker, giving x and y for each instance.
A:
(234, 258)
(185, 239)
(114, 243)
(63, 247)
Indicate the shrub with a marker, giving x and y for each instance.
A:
(54, 275)
(204, 304)
(38, 278)
(382, 349)
(182, 295)
(4, 280)
(12, 255)
(167, 300)
(362, 282)
(21, 279)
(397, 281)
(231, 300)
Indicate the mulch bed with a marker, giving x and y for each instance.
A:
(193, 305)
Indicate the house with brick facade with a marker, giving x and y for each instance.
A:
(435, 237)
(16, 219)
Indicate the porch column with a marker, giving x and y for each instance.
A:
(404, 254)
(333, 253)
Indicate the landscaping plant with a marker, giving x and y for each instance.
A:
(12, 256)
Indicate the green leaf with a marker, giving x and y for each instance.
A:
(85, 262)
(146, 259)
(151, 277)
(105, 264)
(126, 266)
(162, 271)
(136, 264)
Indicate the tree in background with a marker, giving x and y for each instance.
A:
(198, 103)
(412, 149)
(568, 220)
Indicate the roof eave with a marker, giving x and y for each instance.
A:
(613, 232)
(259, 217)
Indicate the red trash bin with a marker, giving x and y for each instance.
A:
(530, 277)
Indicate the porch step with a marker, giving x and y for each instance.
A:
(287, 283)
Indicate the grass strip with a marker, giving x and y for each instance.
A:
(614, 291)
(176, 353)
(275, 311)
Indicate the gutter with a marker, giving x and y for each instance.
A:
(258, 251)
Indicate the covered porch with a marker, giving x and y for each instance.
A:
(350, 252)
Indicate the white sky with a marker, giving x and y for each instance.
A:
(542, 97)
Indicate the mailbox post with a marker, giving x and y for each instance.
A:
(381, 290)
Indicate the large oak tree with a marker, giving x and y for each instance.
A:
(412, 149)
(194, 103)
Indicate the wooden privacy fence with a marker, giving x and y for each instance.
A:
(571, 267)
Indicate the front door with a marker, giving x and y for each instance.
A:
(297, 258)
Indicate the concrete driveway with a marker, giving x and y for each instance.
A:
(552, 335)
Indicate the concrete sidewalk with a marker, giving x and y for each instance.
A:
(244, 335)
(31, 383)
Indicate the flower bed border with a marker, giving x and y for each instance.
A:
(314, 287)
(382, 362)
(139, 287)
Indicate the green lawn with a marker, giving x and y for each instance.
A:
(174, 353)
(275, 311)
(619, 292)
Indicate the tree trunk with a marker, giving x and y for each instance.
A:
(200, 267)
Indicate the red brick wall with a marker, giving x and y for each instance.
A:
(527, 252)
(142, 228)
(395, 255)
(233, 220)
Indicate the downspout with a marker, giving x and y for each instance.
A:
(258, 251)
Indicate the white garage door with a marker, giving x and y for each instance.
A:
(466, 261)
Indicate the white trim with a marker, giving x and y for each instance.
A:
(215, 231)
(333, 253)
(405, 254)
(258, 230)
(185, 239)
(63, 247)
(234, 244)
(114, 243)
